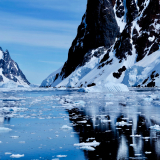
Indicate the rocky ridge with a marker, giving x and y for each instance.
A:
(10, 71)
(114, 41)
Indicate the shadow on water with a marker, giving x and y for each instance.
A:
(119, 140)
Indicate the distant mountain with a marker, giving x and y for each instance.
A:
(117, 41)
(10, 71)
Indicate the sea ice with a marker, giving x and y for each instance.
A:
(6, 153)
(61, 156)
(94, 143)
(155, 127)
(17, 155)
(82, 121)
(65, 127)
(88, 148)
(122, 123)
(105, 120)
(3, 129)
(106, 87)
(14, 137)
(109, 103)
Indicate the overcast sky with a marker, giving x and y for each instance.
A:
(38, 33)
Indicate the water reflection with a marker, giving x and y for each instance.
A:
(7, 107)
(123, 134)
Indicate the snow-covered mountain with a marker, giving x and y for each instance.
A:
(10, 73)
(117, 41)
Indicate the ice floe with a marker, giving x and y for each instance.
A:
(17, 155)
(155, 127)
(14, 137)
(122, 123)
(94, 143)
(3, 129)
(106, 87)
(88, 148)
(7, 153)
(61, 156)
(65, 127)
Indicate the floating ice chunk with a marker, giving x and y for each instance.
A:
(82, 121)
(87, 148)
(148, 99)
(90, 139)
(106, 87)
(105, 120)
(132, 145)
(65, 127)
(151, 38)
(155, 127)
(13, 98)
(94, 143)
(6, 153)
(60, 156)
(17, 155)
(14, 137)
(80, 103)
(138, 155)
(109, 103)
(13, 109)
(154, 97)
(146, 138)
(3, 129)
(135, 135)
(122, 123)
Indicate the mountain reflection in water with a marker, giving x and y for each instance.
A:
(122, 130)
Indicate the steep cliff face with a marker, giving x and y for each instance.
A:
(10, 71)
(98, 28)
(141, 30)
(106, 52)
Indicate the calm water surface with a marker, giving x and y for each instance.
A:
(65, 124)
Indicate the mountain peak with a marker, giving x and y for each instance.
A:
(10, 71)
(98, 28)
(117, 41)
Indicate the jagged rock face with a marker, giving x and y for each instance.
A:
(98, 28)
(141, 31)
(10, 70)
(130, 54)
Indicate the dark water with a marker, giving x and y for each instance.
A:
(51, 124)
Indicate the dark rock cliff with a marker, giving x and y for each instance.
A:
(140, 31)
(128, 30)
(98, 28)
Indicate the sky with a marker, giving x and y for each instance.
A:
(39, 33)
